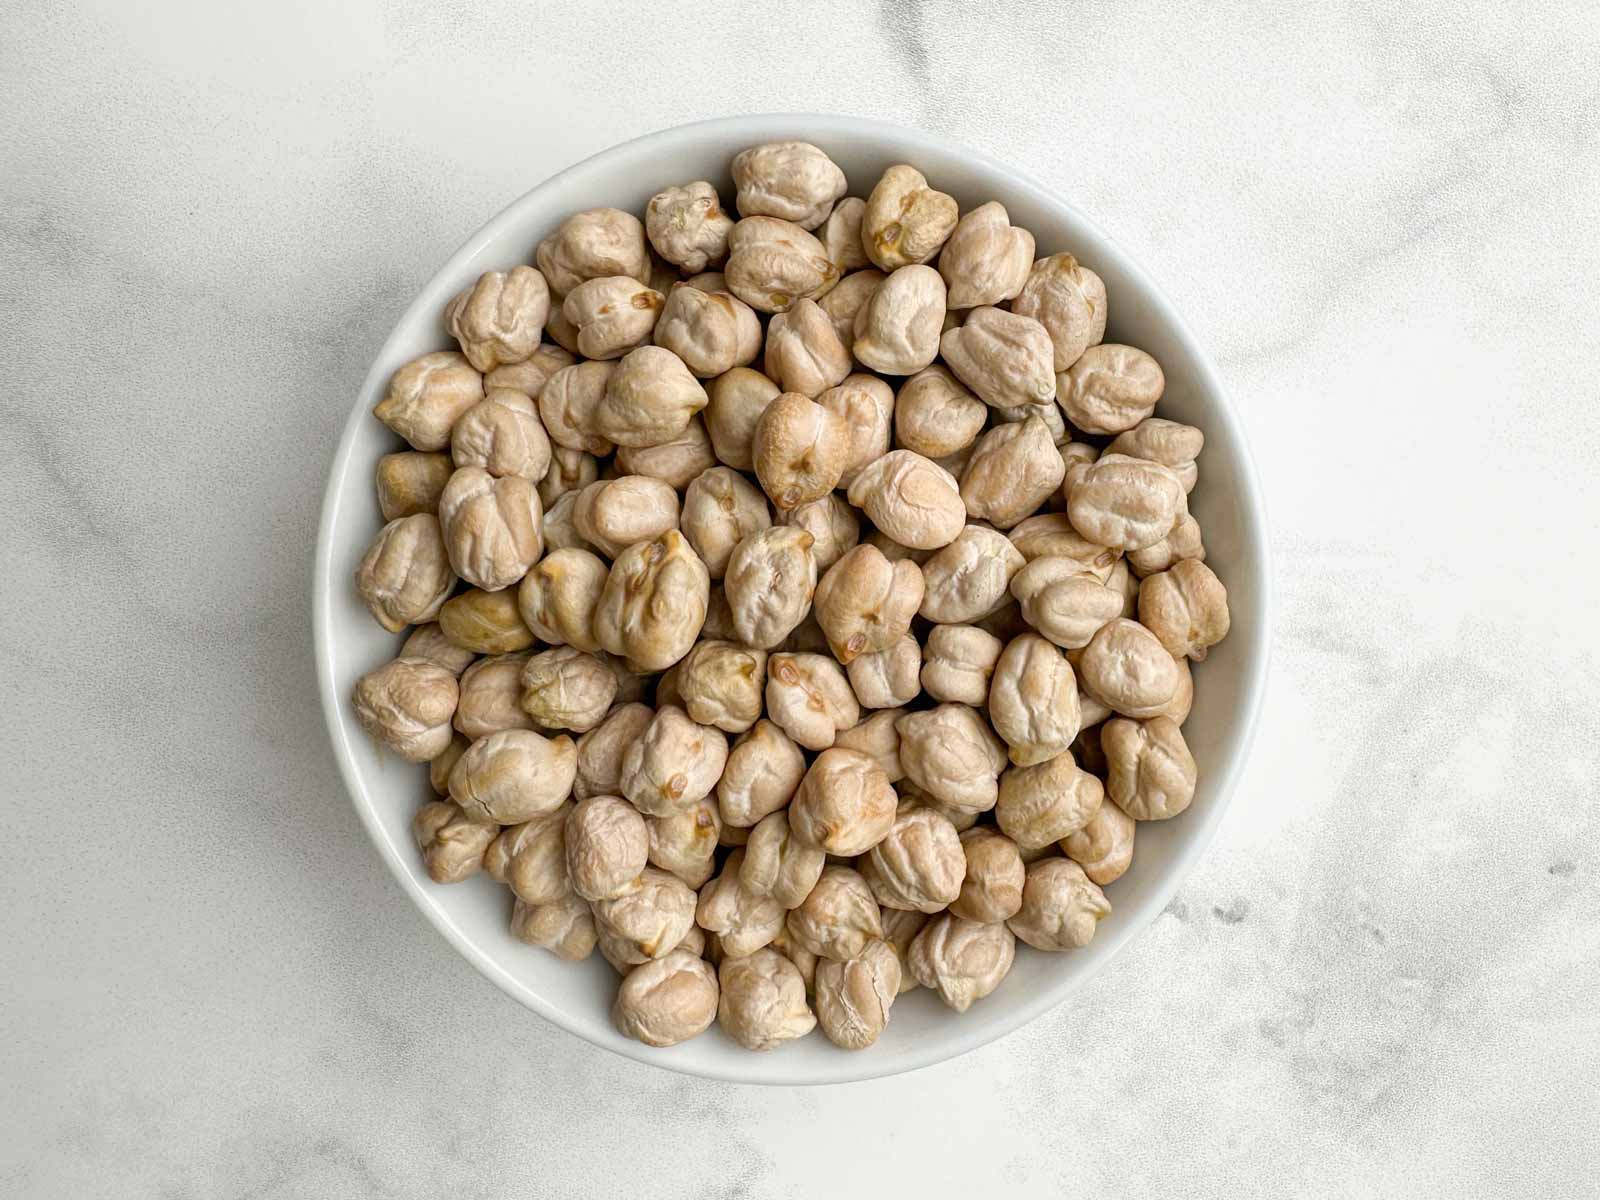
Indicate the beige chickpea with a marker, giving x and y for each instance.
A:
(1178, 708)
(911, 499)
(1126, 667)
(764, 768)
(649, 399)
(493, 528)
(987, 259)
(651, 920)
(778, 864)
(991, 889)
(451, 842)
(838, 917)
(763, 1002)
(491, 696)
(900, 926)
(770, 580)
(557, 597)
(667, 1000)
(675, 763)
(800, 450)
(958, 663)
(612, 314)
(1013, 468)
(809, 698)
(654, 602)
(675, 462)
(514, 776)
(1069, 300)
(1125, 503)
(905, 220)
(919, 863)
(405, 576)
(562, 331)
(613, 514)
(1186, 608)
(531, 858)
(485, 622)
(792, 180)
(951, 753)
(427, 396)
(1169, 443)
(406, 706)
(592, 245)
(1076, 456)
(607, 846)
(897, 330)
(832, 524)
(772, 263)
(840, 235)
(713, 332)
(1051, 535)
(1152, 775)
(409, 482)
(1055, 424)
(429, 642)
(888, 678)
(865, 603)
(499, 319)
(743, 919)
(1033, 701)
(685, 842)
(1061, 906)
(867, 405)
(567, 688)
(567, 406)
(854, 995)
(875, 736)
(1103, 847)
(1183, 541)
(803, 353)
(847, 298)
(565, 927)
(738, 397)
(1045, 802)
(688, 227)
(845, 804)
(1003, 357)
(1110, 389)
(935, 414)
(570, 472)
(721, 684)
(600, 751)
(1064, 601)
(530, 375)
(963, 961)
(502, 434)
(969, 579)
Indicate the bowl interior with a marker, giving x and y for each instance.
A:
(1228, 684)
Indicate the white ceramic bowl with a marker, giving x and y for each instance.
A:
(1228, 685)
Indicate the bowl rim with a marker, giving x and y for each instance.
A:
(771, 1070)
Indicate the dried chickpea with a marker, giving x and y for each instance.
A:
(876, 737)
(493, 528)
(651, 920)
(935, 414)
(712, 332)
(570, 472)
(1043, 803)
(906, 221)
(567, 688)
(530, 375)
(911, 499)
(409, 482)
(854, 995)
(531, 858)
(951, 753)
(1003, 357)
(1033, 701)
(743, 920)
(803, 352)
(763, 1000)
(1183, 541)
(688, 227)
(888, 678)
(792, 180)
(961, 960)
(405, 576)
(567, 406)
(1069, 300)
(499, 318)
(613, 514)
(763, 770)
(502, 434)
(1178, 708)
(491, 696)
(513, 776)
(1051, 535)
(778, 864)
(673, 764)
(685, 842)
(959, 662)
(919, 863)
(840, 235)
(600, 751)
(968, 579)
(1126, 667)
(1125, 503)
(838, 917)
(1013, 468)
(832, 524)
(1151, 772)
(721, 684)
(429, 642)
(452, 843)
(612, 314)
(427, 396)
(607, 846)
(846, 298)
(845, 805)
(800, 450)
(1169, 443)
(667, 1000)
(649, 399)
(991, 889)
(867, 405)
(897, 330)
(406, 705)
(1064, 601)
(1061, 907)
(987, 259)
(654, 602)
(591, 245)
(485, 622)
(1110, 389)
(1103, 847)
(865, 603)
(557, 597)
(769, 582)
(1186, 608)
(809, 698)
(565, 927)
(562, 331)
(900, 926)
(738, 397)
(772, 263)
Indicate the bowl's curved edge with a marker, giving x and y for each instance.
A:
(774, 1072)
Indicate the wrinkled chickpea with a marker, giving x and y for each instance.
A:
(888, 678)
(854, 995)
(1110, 389)
(567, 406)
(897, 330)
(654, 602)
(1069, 300)
(667, 1000)
(564, 927)
(1061, 906)
(607, 846)
(409, 482)
(674, 763)
(845, 805)
(558, 596)
(987, 259)
(485, 622)
(427, 396)
(502, 434)
(1103, 847)
(687, 226)
(865, 603)
(406, 705)
(1124, 503)
(809, 698)
(721, 683)
(649, 399)
(1186, 608)
(499, 319)
(962, 960)
(968, 579)
(1003, 357)
(1063, 601)
(743, 919)
(935, 415)
(772, 263)
(1126, 667)
(712, 332)
(906, 221)
(452, 843)
(792, 180)
(491, 696)
(567, 688)
(951, 753)
(1013, 468)
(652, 919)
(919, 863)
(675, 462)
(763, 770)
(685, 842)
(1033, 701)
(600, 751)
(737, 398)
(493, 528)
(770, 580)
(1151, 774)
(514, 776)
(531, 858)
(800, 450)
(1170, 443)
(959, 662)
(875, 736)
(911, 499)
(530, 375)
(831, 522)
(763, 1000)
(612, 315)
(592, 245)
(405, 576)
(778, 864)
(991, 888)
(613, 514)
(838, 917)
(429, 642)
(803, 353)
(1046, 802)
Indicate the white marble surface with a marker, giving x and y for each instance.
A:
(1385, 978)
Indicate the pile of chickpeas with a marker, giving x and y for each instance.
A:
(800, 623)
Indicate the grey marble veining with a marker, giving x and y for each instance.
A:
(1384, 979)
